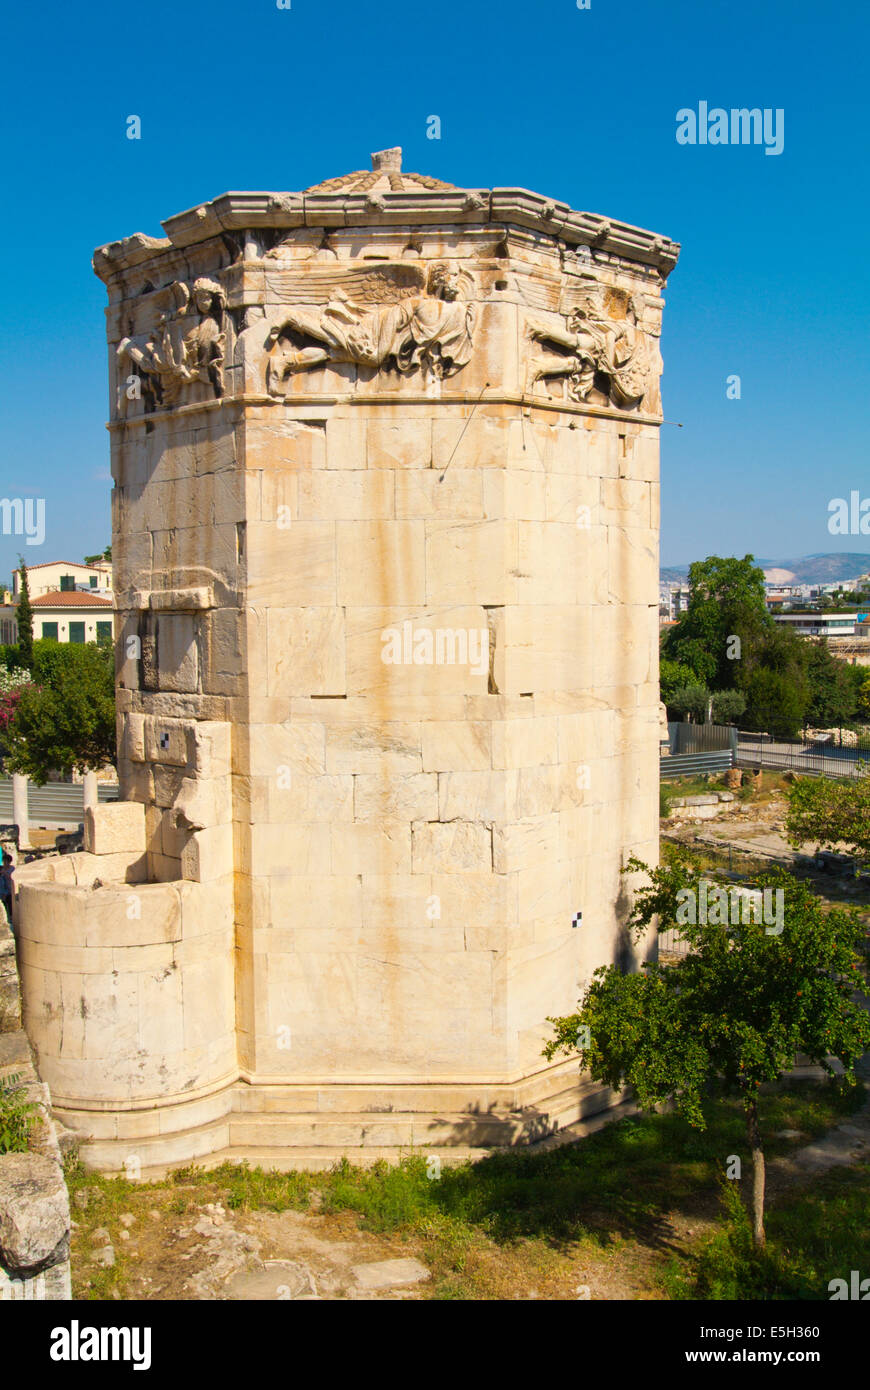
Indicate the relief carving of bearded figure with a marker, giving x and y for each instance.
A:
(432, 330)
(184, 355)
(591, 345)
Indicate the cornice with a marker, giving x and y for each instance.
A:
(463, 207)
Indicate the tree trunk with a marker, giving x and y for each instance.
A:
(757, 1173)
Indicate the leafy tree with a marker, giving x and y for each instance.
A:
(24, 614)
(777, 648)
(692, 700)
(726, 601)
(675, 675)
(690, 653)
(732, 1014)
(831, 812)
(728, 705)
(853, 677)
(864, 698)
(731, 643)
(12, 682)
(831, 692)
(774, 704)
(65, 720)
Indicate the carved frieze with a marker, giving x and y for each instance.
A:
(182, 355)
(596, 346)
(395, 316)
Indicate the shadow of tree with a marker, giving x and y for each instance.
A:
(625, 1182)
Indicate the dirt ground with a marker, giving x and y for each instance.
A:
(150, 1251)
(207, 1252)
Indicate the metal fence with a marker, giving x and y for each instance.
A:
(673, 943)
(700, 738)
(812, 759)
(696, 764)
(57, 803)
(698, 749)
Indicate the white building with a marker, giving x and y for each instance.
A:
(71, 616)
(65, 576)
(832, 624)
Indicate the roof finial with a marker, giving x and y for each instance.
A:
(388, 160)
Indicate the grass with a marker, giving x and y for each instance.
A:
(693, 786)
(813, 1236)
(771, 783)
(616, 1207)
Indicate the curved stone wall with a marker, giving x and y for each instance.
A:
(128, 989)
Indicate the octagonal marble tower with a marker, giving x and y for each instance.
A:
(385, 535)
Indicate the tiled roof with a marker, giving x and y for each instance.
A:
(77, 564)
(73, 599)
(385, 176)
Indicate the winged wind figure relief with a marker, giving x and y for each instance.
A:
(394, 316)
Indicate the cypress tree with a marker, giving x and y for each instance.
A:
(24, 614)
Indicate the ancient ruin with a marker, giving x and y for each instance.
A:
(385, 533)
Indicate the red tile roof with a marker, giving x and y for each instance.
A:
(72, 599)
(77, 564)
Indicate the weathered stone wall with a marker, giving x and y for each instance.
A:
(419, 838)
(130, 993)
(504, 800)
(34, 1206)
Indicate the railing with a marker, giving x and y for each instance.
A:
(813, 759)
(696, 764)
(699, 749)
(672, 942)
(57, 803)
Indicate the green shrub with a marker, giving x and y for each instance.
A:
(17, 1116)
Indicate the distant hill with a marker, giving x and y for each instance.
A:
(809, 569)
(824, 569)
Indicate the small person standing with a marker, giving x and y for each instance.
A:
(7, 887)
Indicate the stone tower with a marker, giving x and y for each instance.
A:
(385, 535)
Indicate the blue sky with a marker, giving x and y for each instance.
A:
(581, 105)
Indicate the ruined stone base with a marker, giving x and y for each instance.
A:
(34, 1208)
(294, 1126)
(52, 1286)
